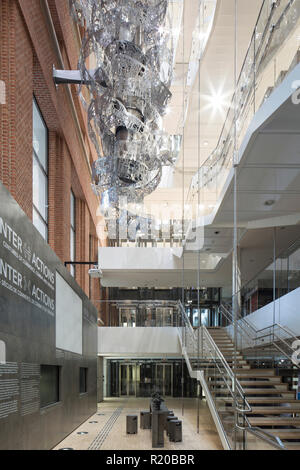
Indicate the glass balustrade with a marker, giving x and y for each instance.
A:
(273, 52)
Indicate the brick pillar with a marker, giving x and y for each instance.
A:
(16, 71)
(59, 196)
(82, 244)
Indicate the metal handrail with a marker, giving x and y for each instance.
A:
(258, 337)
(272, 440)
(228, 317)
(229, 372)
(221, 358)
(260, 433)
(243, 319)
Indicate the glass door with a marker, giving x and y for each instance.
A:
(146, 384)
(131, 371)
(168, 380)
(128, 380)
(164, 379)
(123, 380)
(127, 317)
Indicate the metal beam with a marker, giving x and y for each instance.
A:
(70, 77)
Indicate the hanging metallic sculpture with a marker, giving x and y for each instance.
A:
(126, 62)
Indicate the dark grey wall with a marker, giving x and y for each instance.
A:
(27, 326)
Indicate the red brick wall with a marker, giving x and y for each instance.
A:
(27, 55)
(16, 70)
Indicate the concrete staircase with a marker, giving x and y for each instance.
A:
(274, 407)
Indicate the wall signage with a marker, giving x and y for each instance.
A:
(23, 272)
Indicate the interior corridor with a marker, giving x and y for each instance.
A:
(107, 428)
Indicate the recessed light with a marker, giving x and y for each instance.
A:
(270, 202)
(205, 144)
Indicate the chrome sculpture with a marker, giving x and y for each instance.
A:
(126, 62)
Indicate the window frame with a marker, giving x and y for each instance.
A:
(36, 158)
(54, 403)
(86, 371)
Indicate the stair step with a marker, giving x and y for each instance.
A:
(251, 392)
(284, 433)
(220, 338)
(274, 379)
(263, 383)
(231, 356)
(264, 400)
(258, 372)
(292, 445)
(266, 391)
(275, 421)
(260, 383)
(275, 410)
(224, 341)
(245, 373)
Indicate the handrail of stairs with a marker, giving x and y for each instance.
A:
(267, 437)
(258, 336)
(242, 325)
(225, 364)
(206, 345)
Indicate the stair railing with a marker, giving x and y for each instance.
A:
(275, 336)
(201, 352)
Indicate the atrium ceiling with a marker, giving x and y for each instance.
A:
(216, 84)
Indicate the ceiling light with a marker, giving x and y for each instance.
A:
(217, 101)
(205, 144)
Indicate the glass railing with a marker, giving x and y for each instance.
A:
(279, 278)
(273, 52)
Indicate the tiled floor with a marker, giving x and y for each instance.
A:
(109, 432)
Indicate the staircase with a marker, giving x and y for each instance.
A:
(274, 408)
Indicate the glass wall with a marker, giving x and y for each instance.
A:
(150, 307)
(40, 173)
(277, 279)
(141, 378)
